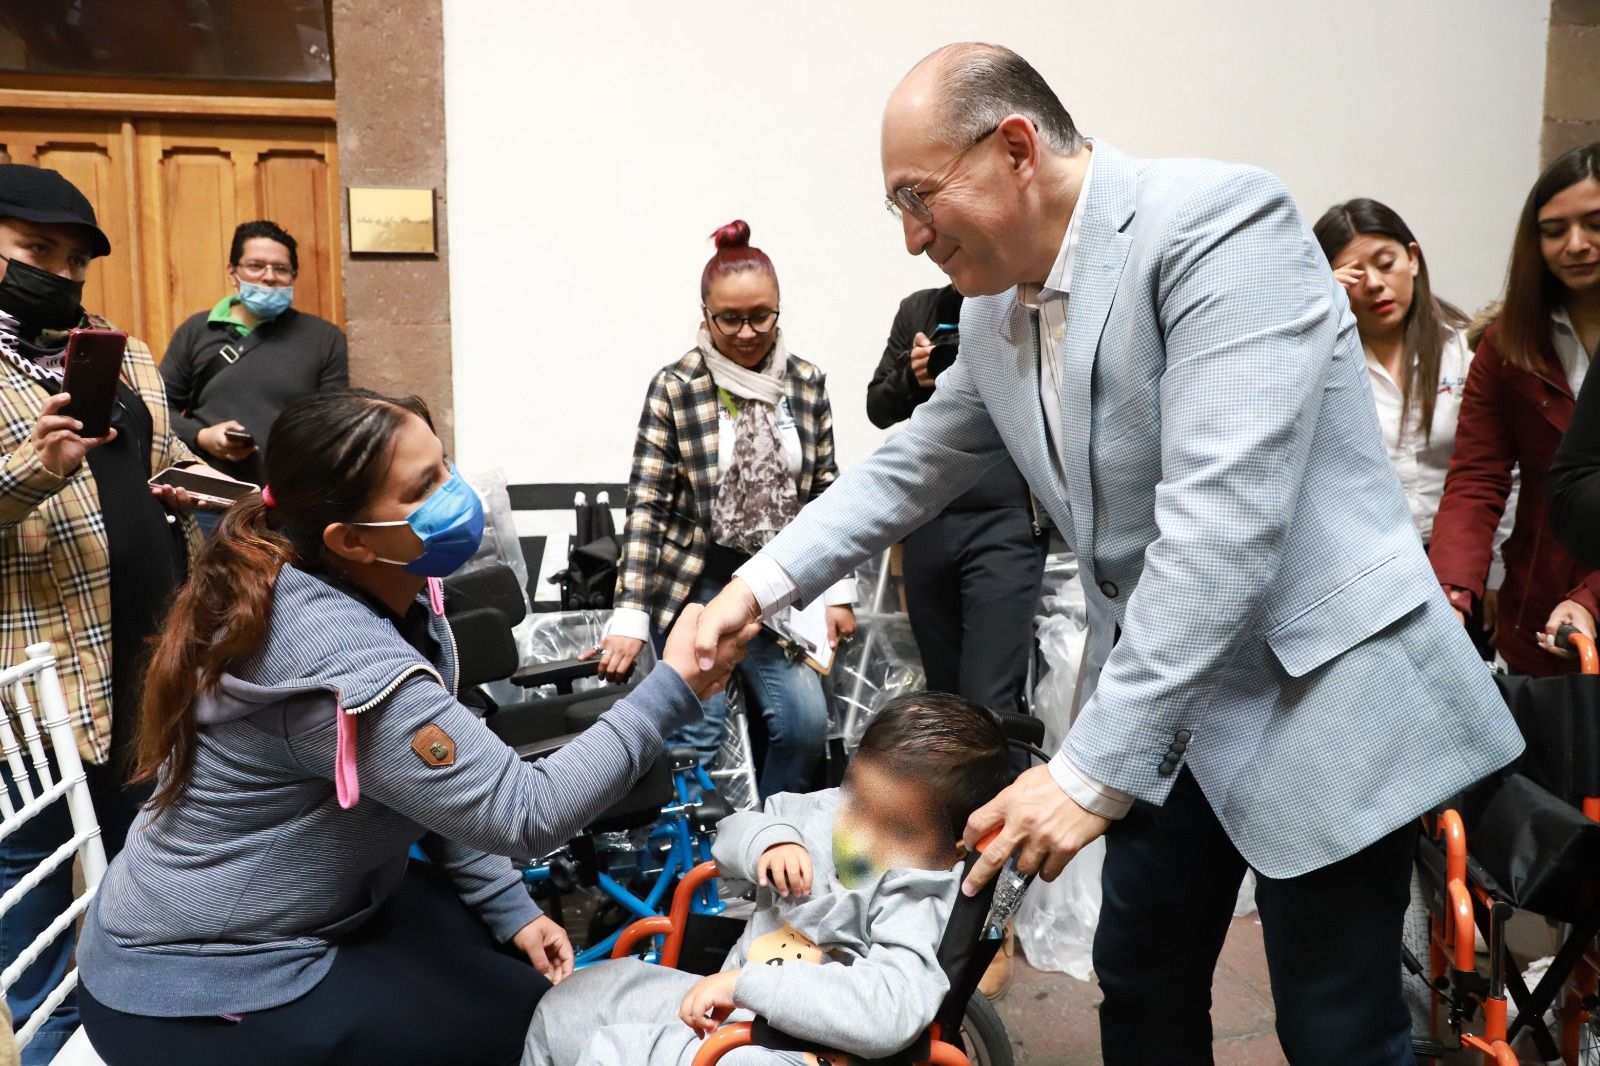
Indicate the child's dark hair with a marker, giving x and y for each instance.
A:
(951, 744)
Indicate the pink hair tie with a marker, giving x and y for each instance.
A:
(266, 496)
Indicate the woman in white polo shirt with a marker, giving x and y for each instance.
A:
(1417, 357)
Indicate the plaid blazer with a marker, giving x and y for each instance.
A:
(674, 480)
(55, 572)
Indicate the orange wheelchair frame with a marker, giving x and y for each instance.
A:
(1452, 946)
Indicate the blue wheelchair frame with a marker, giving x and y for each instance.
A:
(685, 848)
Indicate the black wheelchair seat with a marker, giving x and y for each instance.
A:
(1540, 851)
(1525, 823)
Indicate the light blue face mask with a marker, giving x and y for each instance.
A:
(265, 301)
(450, 525)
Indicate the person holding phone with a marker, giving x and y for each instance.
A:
(91, 554)
(972, 572)
(231, 370)
(735, 438)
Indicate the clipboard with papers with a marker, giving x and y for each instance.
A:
(805, 630)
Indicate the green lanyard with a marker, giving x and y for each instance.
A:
(729, 404)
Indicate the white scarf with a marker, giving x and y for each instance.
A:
(756, 496)
(39, 362)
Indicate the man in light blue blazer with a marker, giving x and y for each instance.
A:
(1160, 347)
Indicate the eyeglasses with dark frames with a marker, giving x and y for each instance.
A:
(254, 268)
(731, 323)
(909, 199)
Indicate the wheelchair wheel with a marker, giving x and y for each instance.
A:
(984, 1035)
(1589, 1041)
(1415, 936)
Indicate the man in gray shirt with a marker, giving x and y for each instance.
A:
(231, 371)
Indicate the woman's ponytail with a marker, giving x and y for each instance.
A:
(326, 457)
(221, 613)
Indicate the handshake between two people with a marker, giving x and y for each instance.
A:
(1033, 818)
(705, 671)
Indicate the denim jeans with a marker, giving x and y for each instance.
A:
(790, 698)
(20, 853)
(208, 521)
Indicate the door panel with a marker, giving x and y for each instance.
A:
(169, 192)
(201, 179)
(295, 191)
(188, 221)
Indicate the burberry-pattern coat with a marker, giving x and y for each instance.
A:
(675, 476)
(55, 569)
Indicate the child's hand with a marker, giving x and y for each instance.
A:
(787, 868)
(710, 1001)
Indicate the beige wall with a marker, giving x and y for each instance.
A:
(592, 151)
(1572, 77)
(392, 132)
(390, 82)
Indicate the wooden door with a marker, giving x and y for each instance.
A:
(198, 180)
(95, 154)
(169, 192)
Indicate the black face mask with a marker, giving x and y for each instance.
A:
(38, 298)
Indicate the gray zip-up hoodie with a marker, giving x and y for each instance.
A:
(234, 899)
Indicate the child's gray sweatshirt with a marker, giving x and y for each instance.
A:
(880, 983)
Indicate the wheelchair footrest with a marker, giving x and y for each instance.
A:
(1426, 1047)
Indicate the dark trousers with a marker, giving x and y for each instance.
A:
(1332, 939)
(422, 982)
(972, 587)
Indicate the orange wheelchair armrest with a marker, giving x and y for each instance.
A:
(724, 1040)
(1454, 832)
(942, 1054)
(673, 925)
(742, 1034)
(637, 931)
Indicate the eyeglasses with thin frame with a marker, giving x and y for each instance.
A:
(731, 324)
(908, 199)
(254, 269)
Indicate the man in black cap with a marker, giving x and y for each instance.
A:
(81, 533)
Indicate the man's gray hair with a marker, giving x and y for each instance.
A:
(980, 84)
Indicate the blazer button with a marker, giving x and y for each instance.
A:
(1109, 588)
(1177, 747)
(1167, 766)
(1183, 735)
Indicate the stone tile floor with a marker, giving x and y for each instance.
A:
(1053, 1022)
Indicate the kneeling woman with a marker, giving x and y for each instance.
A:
(300, 717)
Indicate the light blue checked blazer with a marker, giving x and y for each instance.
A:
(1227, 491)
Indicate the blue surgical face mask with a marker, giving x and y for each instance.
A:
(265, 301)
(450, 525)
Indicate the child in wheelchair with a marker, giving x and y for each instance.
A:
(853, 887)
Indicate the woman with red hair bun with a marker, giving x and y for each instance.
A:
(735, 437)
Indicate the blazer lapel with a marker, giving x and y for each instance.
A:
(1020, 375)
(1097, 269)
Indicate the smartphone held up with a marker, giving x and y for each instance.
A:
(209, 489)
(91, 370)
